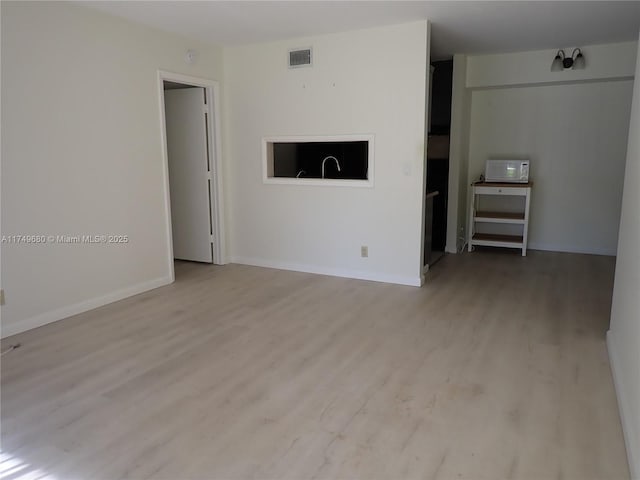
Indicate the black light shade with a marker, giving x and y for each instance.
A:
(579, 63)
(556, 65)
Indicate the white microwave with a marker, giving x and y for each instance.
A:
(508, 171)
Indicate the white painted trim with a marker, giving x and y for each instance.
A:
(165, 177)
(318, 182)
(84, 306)
(632, 444)
(428, 91)
(220, 246)
(364, 137)
(333, 272)
(215, 146)
(550, 247)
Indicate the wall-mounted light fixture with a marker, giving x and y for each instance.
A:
(562, 62)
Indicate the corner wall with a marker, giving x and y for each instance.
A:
(623, 338)
(458, 156)
(363, 82)
(81, 155)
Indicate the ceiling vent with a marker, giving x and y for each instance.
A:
(300, 58)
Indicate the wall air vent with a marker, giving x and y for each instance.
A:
(300, 57)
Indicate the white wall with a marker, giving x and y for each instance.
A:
(364, 82)
(575, 136)
(458, 156)
(1, 122)
(81, 154)
(624, 335)
(609, 61)
(574, 132)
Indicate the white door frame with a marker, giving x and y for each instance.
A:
(212, 89)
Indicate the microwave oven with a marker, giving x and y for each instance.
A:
(508, 171)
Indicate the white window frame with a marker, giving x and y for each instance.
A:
(267, 160)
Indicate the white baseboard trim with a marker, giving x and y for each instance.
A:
(76, 308)
(549, 247)
(333, 272)
(626, 415)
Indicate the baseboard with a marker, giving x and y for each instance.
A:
(333, 272)
(626, 415)
(550, 247)
(68, 311)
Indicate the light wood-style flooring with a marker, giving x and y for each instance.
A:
(496, 369)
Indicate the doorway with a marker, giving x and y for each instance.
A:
(437, 185)
(192, 160)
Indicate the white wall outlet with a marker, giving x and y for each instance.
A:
(364, 251)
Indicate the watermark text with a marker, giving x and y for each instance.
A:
(83, 239)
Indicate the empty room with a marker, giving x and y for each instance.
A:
(320, 240)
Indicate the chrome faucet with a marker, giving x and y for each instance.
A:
(325, 160)
(300, 173)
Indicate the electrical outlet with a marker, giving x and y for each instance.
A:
(364, 251)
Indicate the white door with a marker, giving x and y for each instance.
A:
(187, 148)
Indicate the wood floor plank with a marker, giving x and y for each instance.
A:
(496, 368)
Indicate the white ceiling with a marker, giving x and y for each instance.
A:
(457, 26)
